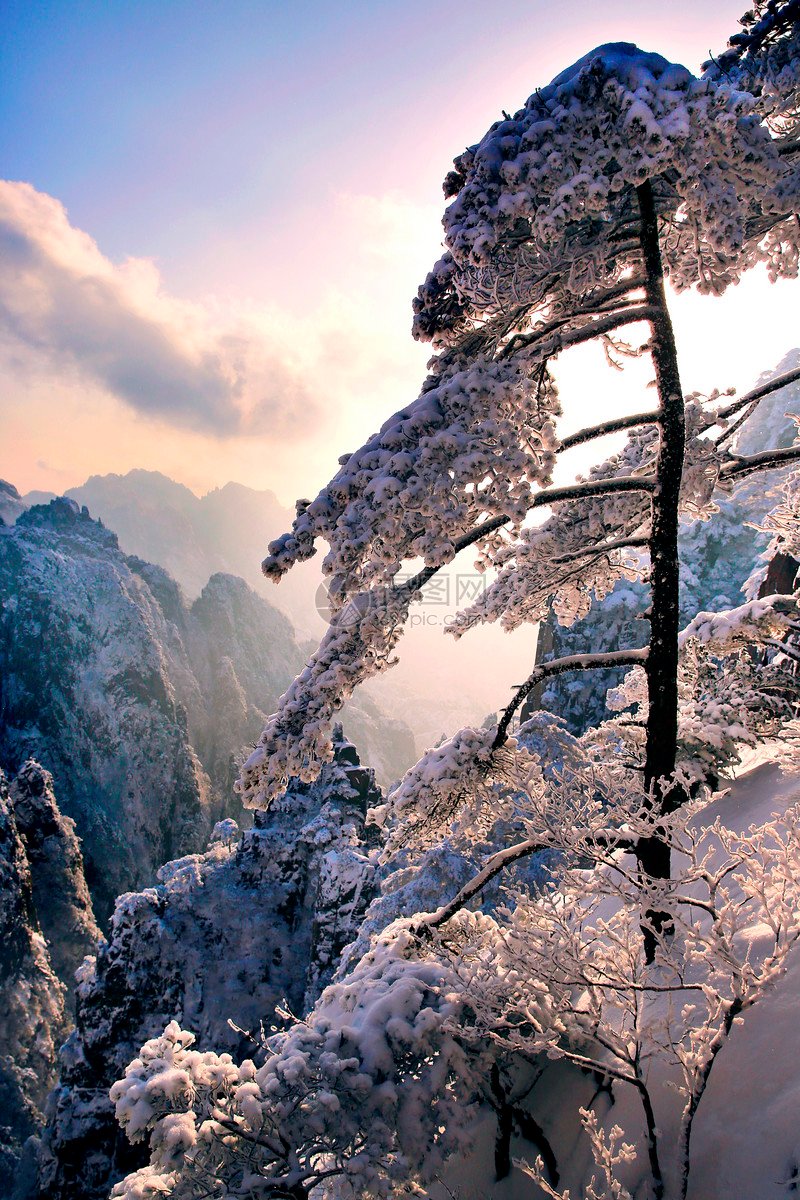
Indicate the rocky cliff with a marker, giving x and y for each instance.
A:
(59, 891)
(86, 687)
(139, 703)
(33, 1021)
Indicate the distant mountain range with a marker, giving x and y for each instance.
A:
(437, 685)
(194, 537)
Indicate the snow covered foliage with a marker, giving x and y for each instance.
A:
(721, 555)
(773, 420)
(452, 457)
(298, 739)
(737, 687)
(546, 193)
(371, 1089)
(386, 1077)
(783, 524)
(758, 621)
(226, 939)
(563, 973)
(764, 57)
(543, 253)
(614, 621)
(465, 782)
(569, 549)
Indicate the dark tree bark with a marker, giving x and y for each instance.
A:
(781, 575)
(511, 1117)
(662, 662)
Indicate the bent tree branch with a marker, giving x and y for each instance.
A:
(767, 460)
(543, 499)
(559, 666)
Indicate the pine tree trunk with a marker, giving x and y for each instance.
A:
(662, 663)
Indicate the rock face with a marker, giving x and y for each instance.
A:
(59, 892)
(139, 704)
(32, 1016)
(226, 531)
(12, 504)
(255, 923)
(85, 687)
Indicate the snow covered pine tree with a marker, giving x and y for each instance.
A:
(564, 221)
(565, 218)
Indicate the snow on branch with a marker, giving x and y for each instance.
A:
(359, 644)
(763, 57)
(475, 445)
(612, 505)
(783, 523)
(767, 460)
(742, 627)
(614, 425)
(297, 739)
(563, 973)
(559, 666)
(756, 394)
(371, 1088)
(466, 781)
(543, 202)
(582, 813)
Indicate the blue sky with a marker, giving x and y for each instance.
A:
(162, 124)
(254, 190)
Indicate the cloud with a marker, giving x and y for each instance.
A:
(47, 467)
(71, 308)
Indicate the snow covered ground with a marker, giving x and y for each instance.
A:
(746, 1138)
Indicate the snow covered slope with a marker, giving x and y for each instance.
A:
(746, 1137)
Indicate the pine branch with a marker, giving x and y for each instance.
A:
(595, 308)
(605, 427)
(559, 666)
(758, 393)
(765, 461)
(603, 548)
(492, 867)
(586, 333)
(555, 495)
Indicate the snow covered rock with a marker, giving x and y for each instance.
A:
(59, 892)
(86, 689)
(254, 924)
(11, 503)
(139, 704)
(32, 1018)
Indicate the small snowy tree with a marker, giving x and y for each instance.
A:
(567, 977)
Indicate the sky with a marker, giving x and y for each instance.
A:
(215, 215)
